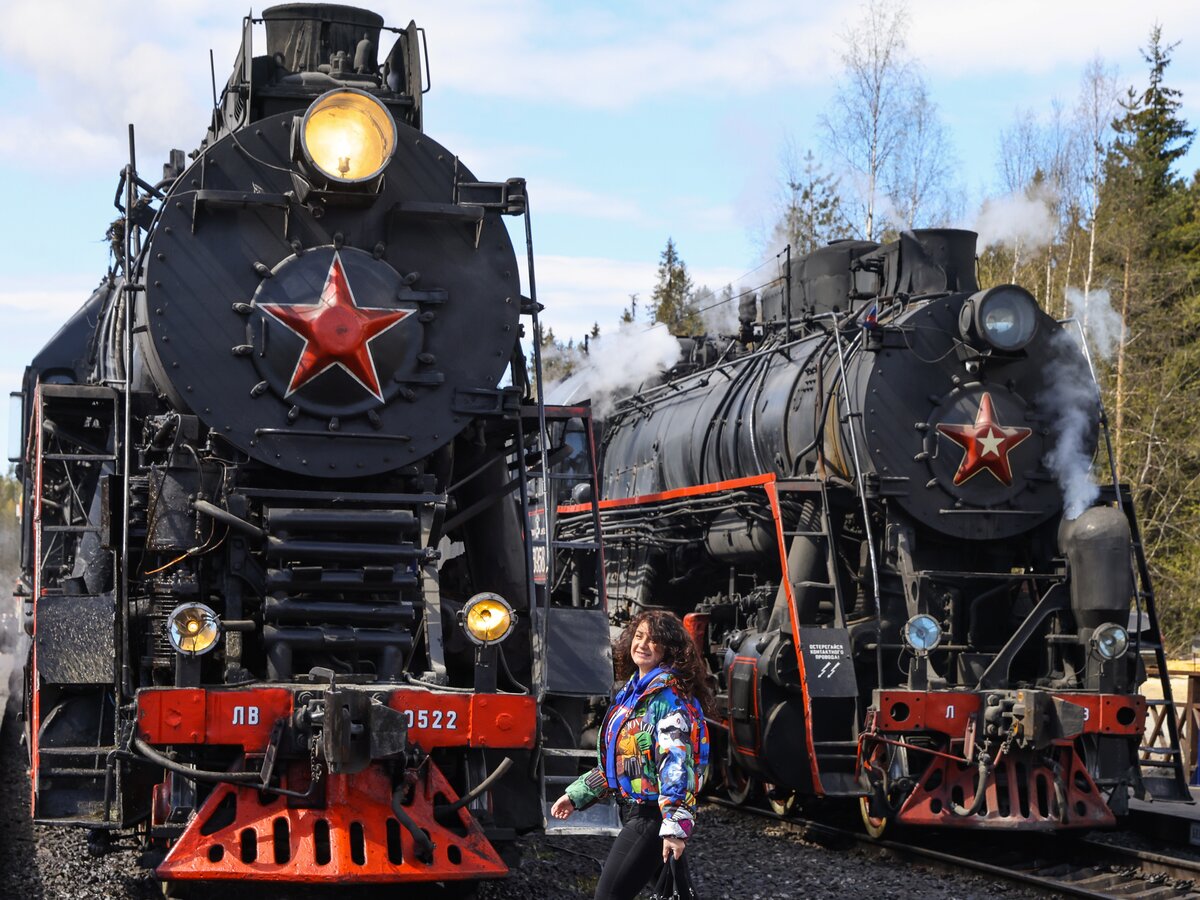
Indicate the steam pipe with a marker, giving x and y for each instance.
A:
(485, 785)
(980, 784)
(424, 844)
(227, 518)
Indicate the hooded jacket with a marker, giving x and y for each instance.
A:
(657, 754)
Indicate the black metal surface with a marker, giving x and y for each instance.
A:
(578, 652)
(261, 447)
(331, 425)
(779, 410)
(75, 638)
(1098, 546)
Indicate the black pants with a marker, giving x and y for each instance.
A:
(636, 855)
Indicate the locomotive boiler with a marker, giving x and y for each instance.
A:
(294, 617)
(873, 509)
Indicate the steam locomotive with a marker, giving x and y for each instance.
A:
(295, 611)
(873, 510)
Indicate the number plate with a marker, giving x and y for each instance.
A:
(471, 720)
(431, 719)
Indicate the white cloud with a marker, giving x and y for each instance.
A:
(98, 74)
(101, 76)
(94, 75)
(952, 39)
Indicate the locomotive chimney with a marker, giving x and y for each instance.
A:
(305, 36)
(929, 260)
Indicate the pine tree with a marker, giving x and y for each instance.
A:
(1142, 218)
(811, 214)
(671, 301)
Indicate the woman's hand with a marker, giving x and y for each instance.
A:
(673, 845)
(563, 807)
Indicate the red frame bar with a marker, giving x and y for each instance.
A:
(243, 717)
(948, 712)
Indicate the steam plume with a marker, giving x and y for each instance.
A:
(1071, 399)
(1022, 220)
(14, 643)
(616, 363)
(1100, 321)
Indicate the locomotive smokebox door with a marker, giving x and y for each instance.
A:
(828, 669)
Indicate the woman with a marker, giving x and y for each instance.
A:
(652, 747)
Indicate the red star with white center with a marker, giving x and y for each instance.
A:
(336, 332)
(986, 444)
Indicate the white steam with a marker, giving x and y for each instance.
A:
(1099, 320)
(14, 643)
(1024, 220)
(1071, 399)
(616, 363)
(718, 309)
(1070, 403)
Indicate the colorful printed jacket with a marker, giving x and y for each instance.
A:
(660, 752)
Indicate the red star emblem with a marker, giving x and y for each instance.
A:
(986, 444)
(336, 332)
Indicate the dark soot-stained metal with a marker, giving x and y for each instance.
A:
(226, 273)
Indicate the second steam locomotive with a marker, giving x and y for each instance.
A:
(873, 510)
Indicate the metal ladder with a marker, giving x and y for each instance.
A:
(599, 818)
(68, 417)
(817, 490)
(541, 506)
(1173, 784)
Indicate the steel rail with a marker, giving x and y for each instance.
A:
(1082, 867)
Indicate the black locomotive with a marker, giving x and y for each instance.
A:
(286, 571)
(950, 639)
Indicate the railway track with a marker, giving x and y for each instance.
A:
(1065, 866)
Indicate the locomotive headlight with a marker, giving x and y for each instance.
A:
(1110, 641)
(1004, 317)
(922, 632)
(348, 136)
(193, 629)
(487, 618)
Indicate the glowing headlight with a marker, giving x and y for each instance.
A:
(487, 618)
(348, 136)
(1005, 317)
(922, 633)
(1110, 641)
(193, 629)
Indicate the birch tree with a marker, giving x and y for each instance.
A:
(867, 121)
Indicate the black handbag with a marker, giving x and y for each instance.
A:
(673, 882)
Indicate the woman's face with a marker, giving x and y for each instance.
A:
(646, 654)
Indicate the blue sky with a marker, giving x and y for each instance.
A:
(632, 122)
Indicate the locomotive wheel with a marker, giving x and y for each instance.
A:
(874, 825)
(781, 800)
(738, 785)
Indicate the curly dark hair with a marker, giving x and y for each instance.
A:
(680, 653)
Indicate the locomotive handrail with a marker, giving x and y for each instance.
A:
(858, 485)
